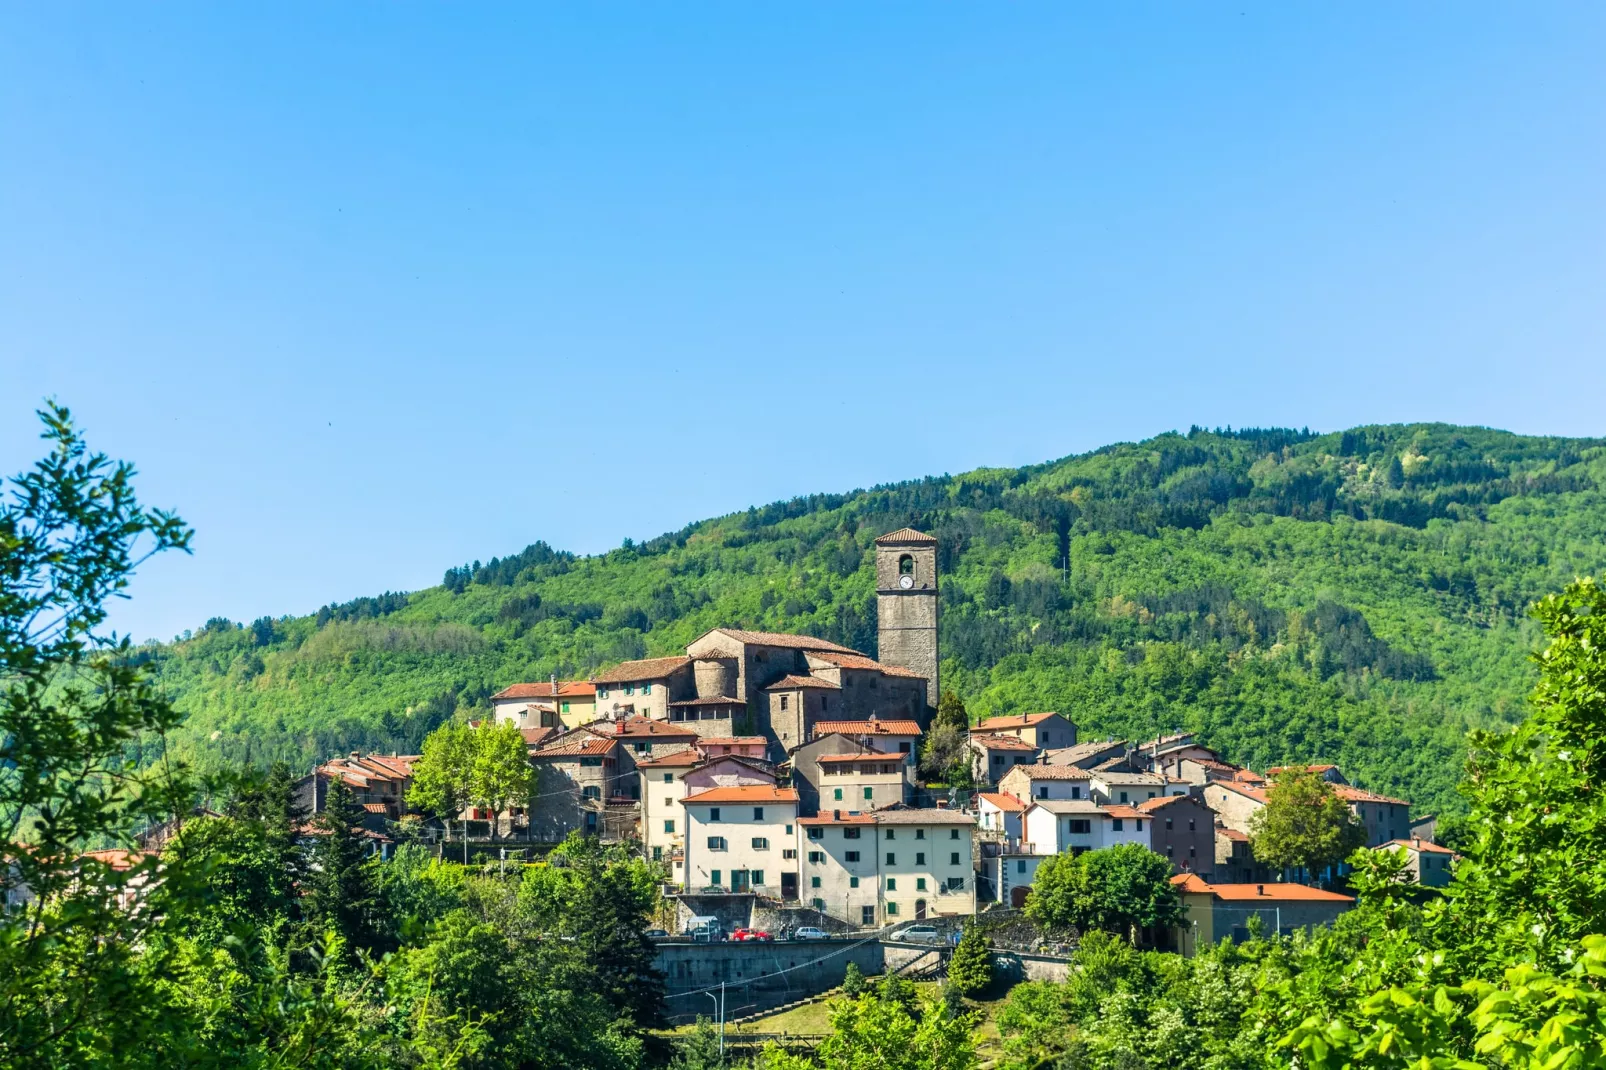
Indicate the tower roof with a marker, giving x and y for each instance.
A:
(905, 535)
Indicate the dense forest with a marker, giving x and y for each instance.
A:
(1358, 597)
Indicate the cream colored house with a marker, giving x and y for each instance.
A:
(1077, 825)
(1039, 783)
(863, 780)
(889, 866)
(573, 704)
(666, 781)
(1427, 862)
(1128, 788)
(1041, 730)
(741, 839)
(644, 688)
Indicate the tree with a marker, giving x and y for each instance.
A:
(853, 981)
(951, 711)
(970, 968)
(1304, 824)
(340, 894)
(74, 705)
(442, 776)
(500, 774)
(946, 754)
(869, 1033)
(1117, 889)
(699, 1049)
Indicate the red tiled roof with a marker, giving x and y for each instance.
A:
(117, 858)
(782, 640)
(733, 741)
(1014, 720)
(1272, 892)
(638, 728)
(859, 661)
(1420, 845)
(711, 700)
(1248, 791)
(1274, 770)
(1353, 794)
(872, 727)
(1148, 805)
(681, 759)
(1002, 801)
(566, 689)
(746, 793)
(788, 683)
(1122, 810)
(1050, 772)
(535, 737)
(905, 535)
(993, 742)
(640, 671)
(1232, 834)
(839, 817)
(577, 745)
(376, 808)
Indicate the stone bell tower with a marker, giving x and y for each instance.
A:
(906, 604)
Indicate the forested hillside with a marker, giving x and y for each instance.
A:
(1357, 597)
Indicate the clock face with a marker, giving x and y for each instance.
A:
(906, 582)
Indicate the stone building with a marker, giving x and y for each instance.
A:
(993, 756)
(907, 605)
(1041, 730)
(644, 688)
(1035, 783)
(1182, 828)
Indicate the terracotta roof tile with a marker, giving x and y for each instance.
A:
(859, 661)
(681, 759)
(1126, 780)
(1122, 810)
(935, 815)
(784, 640)
(872, 727)
(1050, 772)
(639, 728)
(1159, 801)
(992, 742)
(647, 669)
(1353, 794)
(839, 817)
(794, 681)
(1002, 801)
(861, 756)
(1420, 845)
(566, 689)
(746, 793)
(1014, 720)
(1266, 893)
(572, 747)
(711, 700)
(905, 535)
(733, 741)
(1274, 770)
(536, 737)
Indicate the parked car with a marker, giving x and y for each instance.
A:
(744, 935)
(657, 934)
(705, 929)
(921, 934)
(809, 932)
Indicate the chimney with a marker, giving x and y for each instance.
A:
(356, 754)
(1260, 889)
(836, 815)
(554, 685)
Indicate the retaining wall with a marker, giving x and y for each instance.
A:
(757, 976)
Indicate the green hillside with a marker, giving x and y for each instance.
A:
(1357, 597)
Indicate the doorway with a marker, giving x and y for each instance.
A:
(920, 910)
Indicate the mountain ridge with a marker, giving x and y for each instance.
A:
(1356, 596)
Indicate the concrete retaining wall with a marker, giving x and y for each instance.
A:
(757, 976)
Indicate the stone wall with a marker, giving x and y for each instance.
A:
(757, 976)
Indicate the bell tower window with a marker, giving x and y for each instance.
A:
(906, 565)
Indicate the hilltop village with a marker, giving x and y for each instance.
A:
(776, 772)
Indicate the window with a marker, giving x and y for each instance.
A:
(825, 703)
(869, 794)
(713, 877)
(850, 834)
(1081, 826)
(565, 707)
(814, 882)
(657, 854)
(851, 856)
(588, 760)
(758, 877)
(892, 910)
(920, 834)
(836, 794)
(892, 884)
(758, 813)
(905, 748)
(906, 565)
(713, 813)
(1042, 791)
(602, 692)
(920, 858)
(641, 748)
(1076, 791)
(953, 834)
(1123, 796)
(669, 826)
(853, 882)
(783, 703)
(1190, 824)
(788, 852)
(953, 859)
(819, 904)
(646, 689)
(892, 859)
(816, 832)
(889, 834)
(761, 843)
(592, 792)
(867, 916)
(1140, 824)
(956, 884)
(920, 884)
(1020, 865)
(716, 843)
(630, 689)
(669, 778)
(1168, 823)
(1169, 850)
(1193, 852)
(816, 857)
(1116, 825)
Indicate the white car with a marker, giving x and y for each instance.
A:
(809, 932)
(921, 934)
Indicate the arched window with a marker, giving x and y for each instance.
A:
(906, 565)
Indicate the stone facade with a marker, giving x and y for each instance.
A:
(906, 606)
(1184, 830)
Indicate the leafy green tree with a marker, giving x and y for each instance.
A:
(74, 705)
(853, 981)
(1119, 890)
(699, 1049)
(970, 968)
(1304, 824)
(500, 773)
(340, 892)
(875, 1034)
(951, 711)
(443, 774)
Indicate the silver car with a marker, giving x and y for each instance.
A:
(921, 934)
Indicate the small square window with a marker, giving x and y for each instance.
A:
(892, 884)
(953, 834)
(713, 813)
(783, 703)
(892, 910)
(851, 856)
(669, 826)
(953, 859)
(1020, 865)
(713, 877)
(1116, 825)
(892, 859)
(889, 834)
(758, 877)
(816, 832)
(920, 884)
(837, 794)
(789, 830)
(853, 882)
(869, 794)
(761, 843)
(758, 813)
(816, 857)
(920, 858)
(814, 882)
(646, 689)
(669, 778)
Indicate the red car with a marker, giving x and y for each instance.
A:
(744, 935)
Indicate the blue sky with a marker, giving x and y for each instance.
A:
(370, 290)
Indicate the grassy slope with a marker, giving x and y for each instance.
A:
(1357, 597)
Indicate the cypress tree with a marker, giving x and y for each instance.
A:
(340, 890)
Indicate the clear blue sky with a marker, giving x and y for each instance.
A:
(368, 290)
